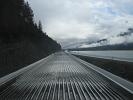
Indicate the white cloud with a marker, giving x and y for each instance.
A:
(80, 19)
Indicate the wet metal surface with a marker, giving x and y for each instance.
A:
(61, 78)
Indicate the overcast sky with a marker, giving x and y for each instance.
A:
(81, 19)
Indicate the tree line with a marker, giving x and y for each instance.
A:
(17, 23)
(22, 41)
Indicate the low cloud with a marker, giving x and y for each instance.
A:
(110, 41)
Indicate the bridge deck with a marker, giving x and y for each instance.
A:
(61, 77)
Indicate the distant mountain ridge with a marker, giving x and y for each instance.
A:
(123, 40)
(128, 46)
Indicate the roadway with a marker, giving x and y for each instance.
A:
(62, 76)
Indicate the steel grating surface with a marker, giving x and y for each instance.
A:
(61, 78)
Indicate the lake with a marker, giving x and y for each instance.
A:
(123, 55)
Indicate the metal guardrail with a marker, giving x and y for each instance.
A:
(17, 73)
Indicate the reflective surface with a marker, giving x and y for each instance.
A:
(123, 55)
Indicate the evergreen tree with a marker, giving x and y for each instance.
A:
(40, 25)
(16, 22)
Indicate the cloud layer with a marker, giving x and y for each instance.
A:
(83, 19)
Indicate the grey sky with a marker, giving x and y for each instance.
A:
(83, 19)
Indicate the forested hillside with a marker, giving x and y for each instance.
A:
(22, 40)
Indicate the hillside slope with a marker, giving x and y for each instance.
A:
(22, 40)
